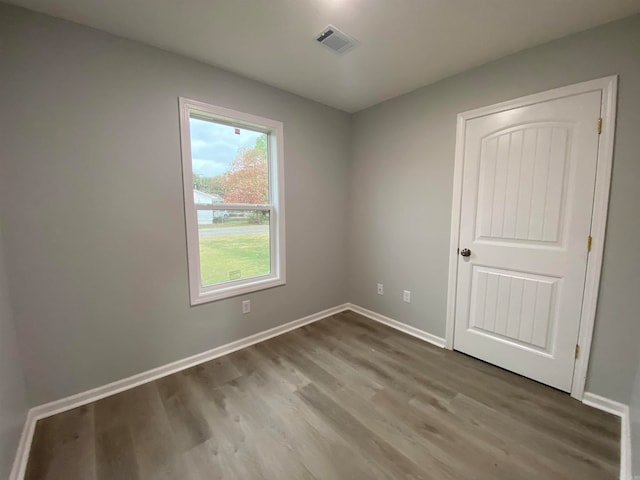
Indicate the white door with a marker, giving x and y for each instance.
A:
(527, 196)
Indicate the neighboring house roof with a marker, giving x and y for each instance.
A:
(206, 198)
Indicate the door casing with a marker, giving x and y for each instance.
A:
(608, 87)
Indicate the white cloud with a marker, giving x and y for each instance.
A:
(214, 146)
(208, 168)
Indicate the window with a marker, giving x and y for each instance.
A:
(233, 178)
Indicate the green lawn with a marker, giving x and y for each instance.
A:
(228, 257)
(229, 222)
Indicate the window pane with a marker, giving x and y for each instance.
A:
(228, 162)
(234, 244)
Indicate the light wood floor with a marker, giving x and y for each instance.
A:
(343, 398)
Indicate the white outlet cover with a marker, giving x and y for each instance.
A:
(406, 296)
(246, 306)
(380, 289)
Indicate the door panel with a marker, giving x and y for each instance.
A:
(521, 185)
(527, 194)
(514, 306)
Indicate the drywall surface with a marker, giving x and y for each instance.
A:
(91, 203)
(13, 397)
(401, 190)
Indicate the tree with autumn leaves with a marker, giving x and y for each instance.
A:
(247, 180)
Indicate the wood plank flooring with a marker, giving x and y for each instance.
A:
(343, 398)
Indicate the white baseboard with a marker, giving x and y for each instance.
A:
(24, 447)
(620, 410)
(403, 327)
(83, 398)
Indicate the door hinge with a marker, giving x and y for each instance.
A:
(577, 351)
(589, 242)
(599, 125)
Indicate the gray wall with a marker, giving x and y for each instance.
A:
(13, 399)
(92, 207)
(401, 190)
(90, 124)
(635, 422)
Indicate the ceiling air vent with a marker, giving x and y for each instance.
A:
(335, 40)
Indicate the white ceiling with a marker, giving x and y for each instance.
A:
(404, 44)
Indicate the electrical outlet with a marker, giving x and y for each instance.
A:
(380, 289)
(246, 306)
(406, 296)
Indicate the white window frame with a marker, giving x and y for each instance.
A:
(209, 293)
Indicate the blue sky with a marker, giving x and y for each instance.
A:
(214, 146)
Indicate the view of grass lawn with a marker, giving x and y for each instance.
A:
(229, 222)
(228, 257)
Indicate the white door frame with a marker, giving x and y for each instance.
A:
(608, 87)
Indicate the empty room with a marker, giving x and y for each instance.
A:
(319, 239)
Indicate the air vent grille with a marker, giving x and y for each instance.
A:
(336, 40)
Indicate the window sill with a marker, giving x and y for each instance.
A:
(222, 292)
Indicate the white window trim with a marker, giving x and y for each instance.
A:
(274, 128)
